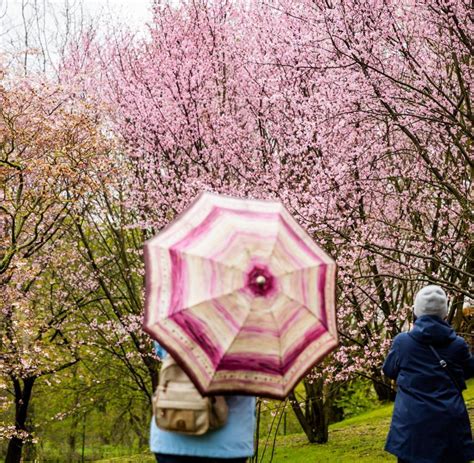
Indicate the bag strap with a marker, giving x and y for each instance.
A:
(445, 367)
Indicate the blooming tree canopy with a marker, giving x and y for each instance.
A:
(357, 116)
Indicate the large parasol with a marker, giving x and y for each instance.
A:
(241, 296)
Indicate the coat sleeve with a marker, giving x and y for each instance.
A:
(391, 366)
(466, 360)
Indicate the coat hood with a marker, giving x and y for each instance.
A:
(430, 329)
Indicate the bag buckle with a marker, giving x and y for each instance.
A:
(443, 363)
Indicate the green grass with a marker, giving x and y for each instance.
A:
(358, 439)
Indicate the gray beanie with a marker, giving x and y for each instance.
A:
(431, 300)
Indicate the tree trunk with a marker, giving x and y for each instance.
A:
(307, 428)
(317, 409)
(383, 389)
(30, 448)
(455, 316)
(72, 441)
(72, 433)
(315, 418)
(22, 400)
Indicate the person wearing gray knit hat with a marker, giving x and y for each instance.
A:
(431, 300)
(430, 363)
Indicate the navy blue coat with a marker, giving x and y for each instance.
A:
(430, 423)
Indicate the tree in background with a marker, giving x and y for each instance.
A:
(111, 254)
(36, 35)
(49, 144)
(399, 111)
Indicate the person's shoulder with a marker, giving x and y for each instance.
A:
(401, 338)
(243, 405)
(402, 341)
(458, 348)
(248, 399)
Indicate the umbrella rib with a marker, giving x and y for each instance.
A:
(217, 297)
(285, 215)
(279, 338)
(230, 345)
(306, 267)
(273, 249)
(199, 256)
(318, 320)
(301, 304)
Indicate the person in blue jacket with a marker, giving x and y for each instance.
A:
(430, 423)
(233, 443)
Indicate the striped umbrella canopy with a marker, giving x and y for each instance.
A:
(241, 296)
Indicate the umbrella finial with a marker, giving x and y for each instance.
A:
(260, 281)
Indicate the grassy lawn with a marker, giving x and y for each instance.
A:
(358, 439)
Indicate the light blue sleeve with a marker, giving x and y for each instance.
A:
(159, 350)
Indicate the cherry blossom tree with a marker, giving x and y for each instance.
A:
(48, 146)
(398, 76)
(357, 116)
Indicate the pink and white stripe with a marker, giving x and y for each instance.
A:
(241, 296)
